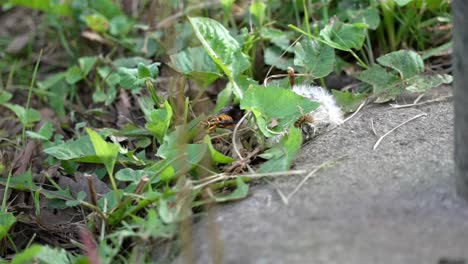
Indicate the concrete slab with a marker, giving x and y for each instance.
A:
(395, 204)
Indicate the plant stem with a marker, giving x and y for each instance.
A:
(28, 101)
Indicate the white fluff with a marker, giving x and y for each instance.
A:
(327, 116)
(328, 113)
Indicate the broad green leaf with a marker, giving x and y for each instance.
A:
(276, 36)
(86, 64)
(223, 99)
(120, 25)
(112, 78)
(369, 16)
(223, 49)
(257, 9)
(105, 7)
(79, 199)
(424, 82)
(131, 78)
(283, 154)
(273, 57)
(6, 222)
(241, 191)
(143, 71)
(73, 75)
(348, 102)
(196, 64)
(406, 62)
(5, 97)
(27, 117)
(217, 156)
(44, 133)
(61, 8)
(275, 105)
(167, 174)
(81, 150)
(22, 182)
(107, 152)
(344, 36)
(130, 62)
(227, 4)
(159, 121)
(316, 57)
(131, 175)
(190, 154)
(437, 51)
(53, 255)
(402, 2)
(28, 255)
(378, 77)
(59, 89)
(97, 22)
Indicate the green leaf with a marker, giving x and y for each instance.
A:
(80, 150)
(257, 9)
(217, 156)
(348, 102)
(61, 8)
(86, 64)
(23, 182)
(275, 104)
(241, 191)
(196, 64)
(402, 2)
(369, 16)
(53, 255)
(5, 97)
(406, 62)
(120, 25)
(378, 77)
(130, 62)
(422, 83)
(107, 152)
(79, 199)
(279, 38)
(344, 36)
(223, 99)
(59, 90)
(27, 117)
(167, 174)
(97, 22)
(6, 222)
(159, 121)
(227, 4)
(28, 255)
(282, 155)
(273, 57)
(131, 78)
(316, 57)
(105, 7)
(131, 175)
(44, 133)
(223, 49)
(73, 75)
(143, 71)
(410, 67)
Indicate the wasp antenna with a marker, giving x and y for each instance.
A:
(292, 77)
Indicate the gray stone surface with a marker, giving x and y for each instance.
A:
(395, 204)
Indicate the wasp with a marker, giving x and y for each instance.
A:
(225, 118)
(304, 119)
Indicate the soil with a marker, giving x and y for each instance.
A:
(394, 204)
